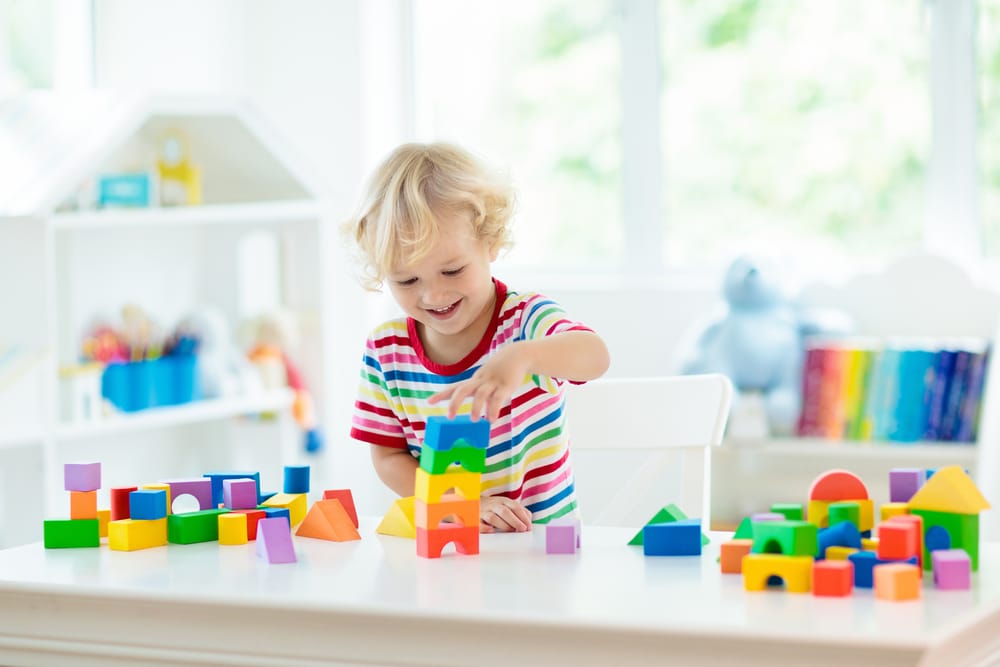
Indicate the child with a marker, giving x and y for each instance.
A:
(430, 225)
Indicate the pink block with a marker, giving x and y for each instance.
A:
(952, 569)
(562, 536)
(274, 540)
(200, 488)
(766, 516)
(82, 476)
(239, 494)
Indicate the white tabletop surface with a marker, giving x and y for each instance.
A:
(375, 602)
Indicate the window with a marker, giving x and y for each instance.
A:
(26, 45)
(989, 123)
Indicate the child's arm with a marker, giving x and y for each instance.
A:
(396, 468)
(572, 355)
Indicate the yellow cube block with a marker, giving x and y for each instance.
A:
(295, 503)
(135, 534)
(869, 544)
(839, 553)
(233, 528)
(888, 510)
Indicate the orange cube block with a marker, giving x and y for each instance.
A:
(731, 555)
(833, 578)
(897, 581)
(83, 504)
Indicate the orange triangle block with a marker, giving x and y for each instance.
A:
(949, 490)
(398, 521)
(328, 520)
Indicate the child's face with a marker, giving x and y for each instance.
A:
(449, 290)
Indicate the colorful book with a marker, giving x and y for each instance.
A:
(812, 384)
(968, 423)
(914, 376)
(944, 367)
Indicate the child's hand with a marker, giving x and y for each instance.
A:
(490, 387)
(503, 515)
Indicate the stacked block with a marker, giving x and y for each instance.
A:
(147, 526)
(447, 443)
(294, 503)
(781, 549)
(83, 528)
(666, 514)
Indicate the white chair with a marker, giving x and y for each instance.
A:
(671, 422)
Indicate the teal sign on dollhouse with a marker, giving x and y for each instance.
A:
(135, 190)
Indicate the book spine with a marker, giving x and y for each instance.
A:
(968, 421)
(956, 393)
(944, 363)
(812, 386)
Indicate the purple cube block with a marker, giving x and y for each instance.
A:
(82, 476)
(239, 494)
(562, 536)
(904, 482)
(952, 569)
(274, 541)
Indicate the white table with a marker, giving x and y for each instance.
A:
(374, 602)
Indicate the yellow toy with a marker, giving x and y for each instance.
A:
(180, 180)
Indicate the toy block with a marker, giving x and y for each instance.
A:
(262, 496)
(443, 433)
(431, 541)
(217, 478)
(791, 511)
(794, 571)
(731, 555)
(328, 520)
(889, 510)
(159, 486)
(147, 504)
(678, 538)
(239, 494)
(819, 511)
(789, 538)
(766, 516)
(869, 543)
(83, 504)
(398, 521)
(898, 540)
(904, 482)
(864, 565)
(944, 530)
(429, 488)
(744, 531)
(295, 503)
(833, 578)
(464, 457)
(136, 534)
(897, 581)
(253, 517)
(430, 515)
(562, 536)
(843, 511)
(103, 517)
(232, 528)
(274, 541)
(194, 527)
(296, 479)
(667, 514)
(276, 512)
(346, 499)
(837, 552)
(843, 534)
(952, 569)
(949, 490)
(834, 485)
(199, 489)
(82, 476)
(70, 533)
(120, 502)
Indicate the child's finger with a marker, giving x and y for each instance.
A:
(441, 395)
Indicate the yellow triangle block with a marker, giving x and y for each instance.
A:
(949, 490)
(398, 520)
(328, 520)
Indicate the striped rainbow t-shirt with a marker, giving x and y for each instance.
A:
(528, 455)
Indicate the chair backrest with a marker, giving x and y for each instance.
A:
(672, 422)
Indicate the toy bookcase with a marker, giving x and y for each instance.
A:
(72, 261)
(919, 296)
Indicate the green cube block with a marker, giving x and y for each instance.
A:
(71, 533)
(846, 511)
(193, 527)
(791, 511)
(789, 538)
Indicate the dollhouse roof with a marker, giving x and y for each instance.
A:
(52, 146)
(949, 490)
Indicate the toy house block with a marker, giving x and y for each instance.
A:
(232, 528)
(82, 476)
(839, 553)
(443, 433)
(844, 534)
(430, 515)
(898, 540)
(70, 533)
(136, 534)
(274, 541)
(465, 457)
(731, 555)
(147, 504)
(843, 511)
(120, 502)
(346, 499)
(789, 538)
(833, 578)
(83, 504)
(239, 494)
(949, 490)
(943, 530)
(295, 503)
(834, 485)
(253, 517)
(562, 536)
(199, 489)
(666, 514)
(431, 541)
(678, 538)
(398, 521)
(904, 482)
(194, 527)
(864, 565)
(296, 479)
(430, 488)
(952, 569)
(794, 571)
(159, 486)
(897, 581)
(889, 510)
(328, 520)
(103, 517)
(791, 511)
(216, 478)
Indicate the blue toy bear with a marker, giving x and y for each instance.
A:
(759, 341)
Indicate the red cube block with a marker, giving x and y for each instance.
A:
(833, 578)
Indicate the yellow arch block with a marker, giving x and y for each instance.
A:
(430, 488)
(796, 571)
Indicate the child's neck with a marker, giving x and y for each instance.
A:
(447, 350)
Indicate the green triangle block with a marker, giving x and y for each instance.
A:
(668, 514)
(744, 531)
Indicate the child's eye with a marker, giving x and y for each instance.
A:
(453, 272)
(408, 281)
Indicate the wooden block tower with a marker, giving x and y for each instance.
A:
(448, 442)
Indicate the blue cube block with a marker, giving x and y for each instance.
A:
(864, 567)
(147, 504)
(677, 538)
(273, 512)
(296, 479)
(442, 433)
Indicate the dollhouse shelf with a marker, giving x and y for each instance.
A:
(275, 212)
(191, 413)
